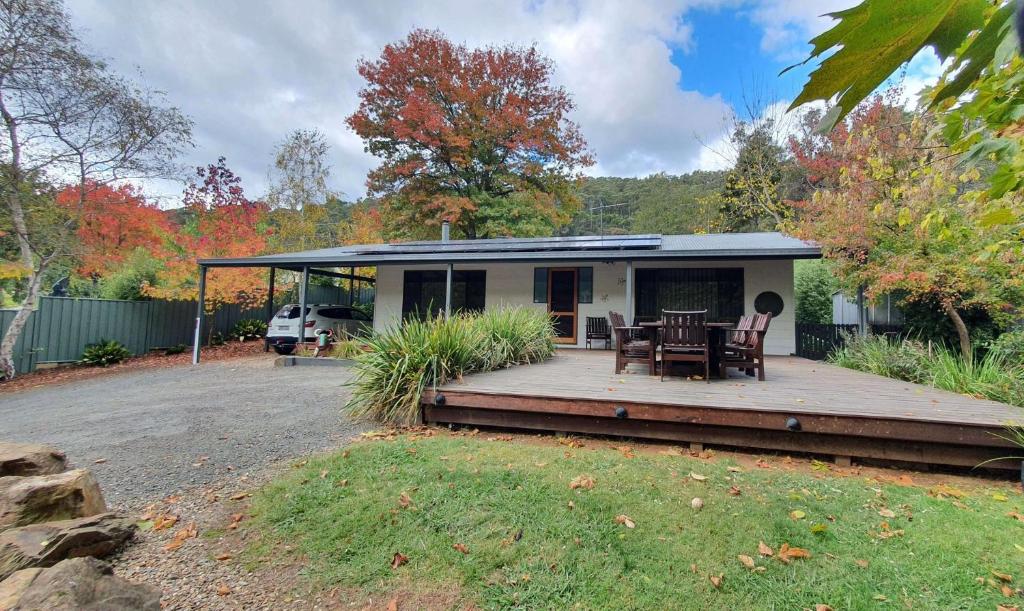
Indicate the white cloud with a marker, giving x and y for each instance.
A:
(249, 72)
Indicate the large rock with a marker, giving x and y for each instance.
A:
(30, 459)
(43, 498)
(44, 545)
(78, 583)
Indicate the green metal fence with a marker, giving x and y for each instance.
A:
(60, 327)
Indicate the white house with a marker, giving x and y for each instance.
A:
(573, 277)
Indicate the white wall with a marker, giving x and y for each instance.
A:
(512, 284)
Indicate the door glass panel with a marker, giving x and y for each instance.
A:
(564, 325)
(563, 291)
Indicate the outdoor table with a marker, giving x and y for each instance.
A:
(717, 333)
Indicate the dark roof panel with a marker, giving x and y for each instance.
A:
(577, 248)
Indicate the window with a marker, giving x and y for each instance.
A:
(540, 285)
(719, 291)
(584, 289)
(423, 292)
(336, 313)
(585, 280)
(290, 312)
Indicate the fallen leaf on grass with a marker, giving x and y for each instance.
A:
(797, 514)
(999, 496)
(787, 553)
(224, 557)
(716, 580)
(323, 474)
(734, 470)
(398, 560)
(625, 451)
(223, 591)
(235, 519)
(393, 605)
(819, 528)
(764, 550)
(821, 607)
(862, 563)
(239, 496)
(735, 491)
(404, 500)
(342, 483)
(1006, 591)
(945, 490)
(624, 519)
(572, 443)
(1007, 608)
(698, 477)
(1016, 516)
(747, 561)
(582, 481)
(459, 547)
(763, 464)
(183, 534)
(1002, 576)
(885, 512)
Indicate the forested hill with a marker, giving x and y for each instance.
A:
(660, 203)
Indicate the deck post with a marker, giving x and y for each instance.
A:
(301, 338)
(200, 315)
(629, 293)
(270, 305)
(449, 272)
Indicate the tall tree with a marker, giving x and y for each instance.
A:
(478, 137)
(66, 116)
(221, 222)
(300, 195)
(893, 216)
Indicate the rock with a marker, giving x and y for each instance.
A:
(23, 459)
(78, 583)
(44, 545)
(43, 498)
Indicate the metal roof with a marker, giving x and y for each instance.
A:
(767, 245)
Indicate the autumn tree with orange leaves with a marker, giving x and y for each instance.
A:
(114, 221)
(478, 137)
(221, 222)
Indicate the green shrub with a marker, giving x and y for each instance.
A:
(176, 349)
(994, 376)
(402, 361)
(1009, 345)
(249, 328)
(104, 352)
(903, 359)
(216, 339)
(814, 283)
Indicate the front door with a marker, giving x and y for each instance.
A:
(562, 303)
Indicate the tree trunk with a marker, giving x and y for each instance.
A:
(961, 331)
(18, 325)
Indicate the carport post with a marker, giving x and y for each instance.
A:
(351, 285)
(302, 307)
(200, 315)
(270, 306)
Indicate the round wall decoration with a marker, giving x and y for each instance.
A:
(769, 301)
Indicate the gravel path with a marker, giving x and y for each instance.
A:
(147, 434)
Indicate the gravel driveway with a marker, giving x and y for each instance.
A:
(159, 431)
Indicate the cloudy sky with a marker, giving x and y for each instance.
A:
(652, 79)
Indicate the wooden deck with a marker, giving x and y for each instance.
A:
(841, 412)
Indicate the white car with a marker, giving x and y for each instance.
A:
(283, 329)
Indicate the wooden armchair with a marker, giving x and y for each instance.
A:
(597, 329)
(745, 348)
(631, 344)
(684, 337)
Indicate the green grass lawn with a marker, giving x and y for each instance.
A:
(534, 542)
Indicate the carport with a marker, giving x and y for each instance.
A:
(308, 263)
